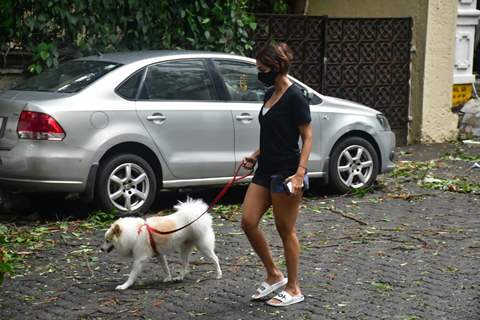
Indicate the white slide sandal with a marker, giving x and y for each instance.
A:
(286, 299)
(265, 289)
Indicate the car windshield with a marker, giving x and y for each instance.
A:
(68, 77)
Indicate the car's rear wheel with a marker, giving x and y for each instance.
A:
(126, 183)
(353, 164)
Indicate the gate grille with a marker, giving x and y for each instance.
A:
(368, 61)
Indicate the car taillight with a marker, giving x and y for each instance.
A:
(39, 126)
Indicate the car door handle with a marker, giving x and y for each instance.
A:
(244, 116)
(156, 117)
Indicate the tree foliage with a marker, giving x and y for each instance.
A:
(54, 30)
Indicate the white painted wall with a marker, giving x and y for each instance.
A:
(467, 19)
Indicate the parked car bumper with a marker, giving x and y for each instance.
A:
(44, 167)
(386, 141)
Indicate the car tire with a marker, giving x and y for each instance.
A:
(349, 169)
(126, 183)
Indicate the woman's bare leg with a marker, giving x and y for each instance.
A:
(286, 210)
(256, 203)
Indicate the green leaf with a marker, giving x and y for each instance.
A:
(44, 55)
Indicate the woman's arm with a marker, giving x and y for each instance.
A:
(256, 154)
(306, 133)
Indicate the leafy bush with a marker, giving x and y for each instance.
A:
(54, 30)
(6, 264)
(6, 260)
(102, 219)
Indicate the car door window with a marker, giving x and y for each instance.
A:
(128, 89)
(241, 80)
(178, 80)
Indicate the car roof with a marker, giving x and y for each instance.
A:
(134, 56)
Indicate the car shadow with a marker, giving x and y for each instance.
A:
(55, 207)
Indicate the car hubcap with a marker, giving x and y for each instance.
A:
(355, 166)
(128, 187)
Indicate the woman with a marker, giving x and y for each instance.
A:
(284, 117)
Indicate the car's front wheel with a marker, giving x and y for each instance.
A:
(353, 164)
(126, 183)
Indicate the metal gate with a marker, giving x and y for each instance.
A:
(368, 61)
(361, 59)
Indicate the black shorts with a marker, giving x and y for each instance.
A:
(274, 182)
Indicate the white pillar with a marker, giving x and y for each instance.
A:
(467, 19)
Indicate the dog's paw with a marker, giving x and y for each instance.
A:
(168, 279)
(219, 276)
(177, 279)
(121, 287)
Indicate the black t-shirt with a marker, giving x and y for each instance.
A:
(279, 134)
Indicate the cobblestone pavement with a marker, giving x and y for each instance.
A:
(406, 250)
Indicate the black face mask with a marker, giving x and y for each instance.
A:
(268, 78)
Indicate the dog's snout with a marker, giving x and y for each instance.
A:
(106, 247)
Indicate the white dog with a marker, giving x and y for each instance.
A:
(132, 238)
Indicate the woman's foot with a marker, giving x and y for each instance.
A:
(287, 297)
(271, 284)
(274, 278)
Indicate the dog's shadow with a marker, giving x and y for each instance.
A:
(157, 284)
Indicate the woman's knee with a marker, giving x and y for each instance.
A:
(248, 224)
(287, 233)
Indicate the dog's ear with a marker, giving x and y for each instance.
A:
(115, 231)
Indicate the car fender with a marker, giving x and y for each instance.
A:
(345, 130)
(113, 141)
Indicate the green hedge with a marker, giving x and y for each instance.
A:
(55, 30)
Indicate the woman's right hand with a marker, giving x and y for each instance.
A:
(249, 162)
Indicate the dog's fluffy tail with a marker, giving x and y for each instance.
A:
(192, 208)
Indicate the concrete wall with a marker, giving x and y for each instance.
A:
(431, 119)
(439, 123)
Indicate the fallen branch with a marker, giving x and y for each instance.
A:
(408, 196)
(343, 214)
(425, 244)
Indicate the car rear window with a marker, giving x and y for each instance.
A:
(68, 77)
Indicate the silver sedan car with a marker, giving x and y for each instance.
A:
(120, 127)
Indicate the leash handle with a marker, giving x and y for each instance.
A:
(235, 178)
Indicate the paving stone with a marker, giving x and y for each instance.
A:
(414, 259)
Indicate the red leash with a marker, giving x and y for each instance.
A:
(235, 178)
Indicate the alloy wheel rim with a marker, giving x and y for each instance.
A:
(355, 166)
(128, 187)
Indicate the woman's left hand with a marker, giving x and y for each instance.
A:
(297, 183)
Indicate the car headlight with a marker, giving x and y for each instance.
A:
(383, 121)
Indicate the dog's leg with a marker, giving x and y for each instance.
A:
(185, 251)
(164, 264)
(136, 269)
(206, 246)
